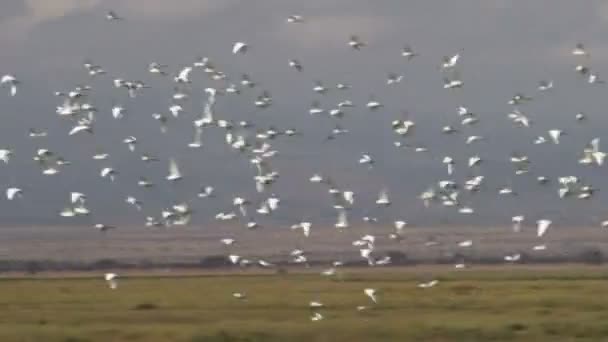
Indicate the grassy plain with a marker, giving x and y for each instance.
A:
(479, 304)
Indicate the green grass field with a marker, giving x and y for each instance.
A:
(569, 303)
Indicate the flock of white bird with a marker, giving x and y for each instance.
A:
(256, 146)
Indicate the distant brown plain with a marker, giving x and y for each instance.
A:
(191, 244)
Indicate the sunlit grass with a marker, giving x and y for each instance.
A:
(466, 306)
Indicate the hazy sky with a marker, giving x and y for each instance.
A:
(506, 47)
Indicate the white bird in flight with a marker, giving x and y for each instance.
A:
(10, 81)
(355, 42)
(5, 155)
(112, 16)
(428, 284)
(542, 226)
(579, 50)
(408, 52)
(294, 63)
(108, 172)
(295, 19)
(240, 47)
(555, 135)
(450, 62)
(184, 75)
(371, 293)
(13, 193)
(383, 199)
(174, 173)
(111, 279)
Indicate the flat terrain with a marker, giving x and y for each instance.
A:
(191, 244)
(517, 303)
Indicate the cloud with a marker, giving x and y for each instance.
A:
(40, 11)
(165, 8)
(602, 11)
(332, 30)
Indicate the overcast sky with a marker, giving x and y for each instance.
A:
(506, 47)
